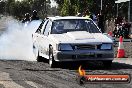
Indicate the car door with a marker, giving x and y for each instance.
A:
(38, 36)
(44, 40)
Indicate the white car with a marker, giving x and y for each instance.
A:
(72, 38)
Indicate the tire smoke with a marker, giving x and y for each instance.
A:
(16, 41)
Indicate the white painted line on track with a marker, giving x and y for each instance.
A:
(123, 60)
(31, 84)
(7, 82)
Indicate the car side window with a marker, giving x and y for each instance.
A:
(40, 27)
(44, 26)
(47, 28)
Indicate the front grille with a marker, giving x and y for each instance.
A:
(86, 56)
(84, 47)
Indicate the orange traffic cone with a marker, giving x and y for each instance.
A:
(121, 51)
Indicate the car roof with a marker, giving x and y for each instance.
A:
(66, 17)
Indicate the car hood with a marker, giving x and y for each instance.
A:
(80, 37)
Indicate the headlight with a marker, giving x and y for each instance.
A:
(106, 46)
(65, 47)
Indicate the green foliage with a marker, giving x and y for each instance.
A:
(65, 7)
(71, 7)
(2, 7)
(94, 6)
(18, 9)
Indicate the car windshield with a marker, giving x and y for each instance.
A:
(68, 25)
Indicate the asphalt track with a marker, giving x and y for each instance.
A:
(31, 74)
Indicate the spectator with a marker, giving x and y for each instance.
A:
(119, 20)
(94, 18)
(87, 14)
(34, 16)
(100, 21)
(27, 18)
(79, 14)
(127, 27)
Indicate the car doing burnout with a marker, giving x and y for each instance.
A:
(71, 39)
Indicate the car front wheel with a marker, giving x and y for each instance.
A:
(107, 64)
(52, 62)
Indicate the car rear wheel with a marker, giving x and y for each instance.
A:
(36, 53)
(107, 64)
(39, 58)
(52, 62)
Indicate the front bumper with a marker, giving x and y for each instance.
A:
(83, 55)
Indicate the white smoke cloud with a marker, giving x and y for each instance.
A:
(16, 42)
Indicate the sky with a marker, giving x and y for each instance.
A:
(53, 3)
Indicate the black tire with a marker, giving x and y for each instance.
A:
(107, 64)
(52, 62)
(39, 58)
(36, 53)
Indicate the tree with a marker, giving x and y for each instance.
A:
(2, 7)
(65, 8)
(8, 3)
(71, 7)
(42, 6)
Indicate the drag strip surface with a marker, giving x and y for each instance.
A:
(31, 74)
